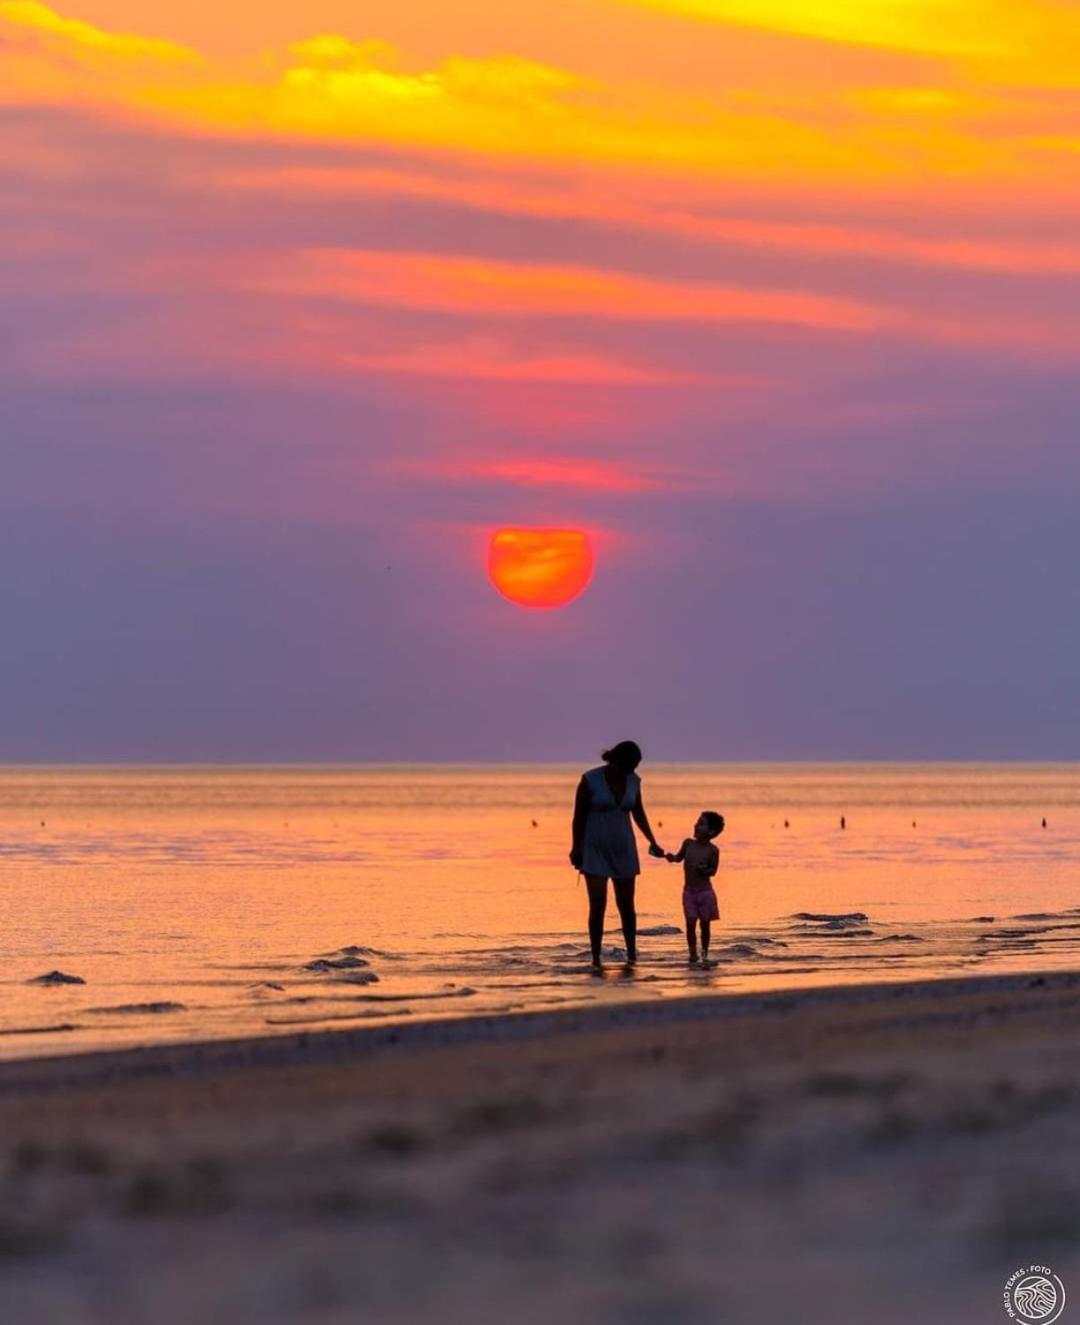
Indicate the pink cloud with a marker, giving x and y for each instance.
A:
(485, 358)
(453, 284)
(557, 201)
(603, 476)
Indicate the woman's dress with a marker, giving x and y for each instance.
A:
(609, 848)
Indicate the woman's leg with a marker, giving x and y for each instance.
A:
(597, 887)
(624, 900)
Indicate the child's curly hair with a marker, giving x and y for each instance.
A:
(715, 822)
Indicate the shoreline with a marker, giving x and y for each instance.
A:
(338, 1045)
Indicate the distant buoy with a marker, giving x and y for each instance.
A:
(534, 823)
(1044, 823)
(786, 824)
(843, 821)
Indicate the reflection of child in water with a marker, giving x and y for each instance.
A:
(700, 859)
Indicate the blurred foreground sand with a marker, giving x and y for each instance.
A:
(858, 1155)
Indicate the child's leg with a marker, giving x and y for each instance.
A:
(597, 906)
(706, 931)
(691, 939)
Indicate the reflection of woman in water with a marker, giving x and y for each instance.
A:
(603, 841)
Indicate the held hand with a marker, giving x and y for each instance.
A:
(575, 859)
(656, 850)
(669, 856)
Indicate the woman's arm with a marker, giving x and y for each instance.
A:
(642, 821)
(577, 828)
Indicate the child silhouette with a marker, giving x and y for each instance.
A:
(700, 858)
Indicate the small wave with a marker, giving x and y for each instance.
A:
(829, 932)
(56, 978)
(901, 938)
(1024, 933)
(141, 1007)
(520, 953)
(839, 918)
(249, 966)
(41, 1030)
(1070, 912)
(611, 954)
(322, 965)
(464, 992)
(518, 985)
(655, 931)
(734, 952)
(1045, 929)
(355, 950)
(369, 1015)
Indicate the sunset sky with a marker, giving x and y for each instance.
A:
(778, 301)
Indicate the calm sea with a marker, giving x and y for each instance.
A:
(208, 902)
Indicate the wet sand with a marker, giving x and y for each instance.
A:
(866, 1154)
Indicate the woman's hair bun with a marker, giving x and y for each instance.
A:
(627, 754)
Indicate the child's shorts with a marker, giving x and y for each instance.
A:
(700, 903)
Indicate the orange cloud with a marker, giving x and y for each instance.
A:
(48, 59)
(511, 106)
(1037, 41)
(69, 33)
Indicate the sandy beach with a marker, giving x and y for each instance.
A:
(875, 1154)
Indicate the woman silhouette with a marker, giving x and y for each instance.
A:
(603, 841)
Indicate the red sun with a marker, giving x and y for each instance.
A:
(540, 567)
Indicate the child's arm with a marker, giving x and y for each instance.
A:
(675, 857)
(714, 861)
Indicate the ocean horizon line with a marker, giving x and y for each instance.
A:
(256, 765)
